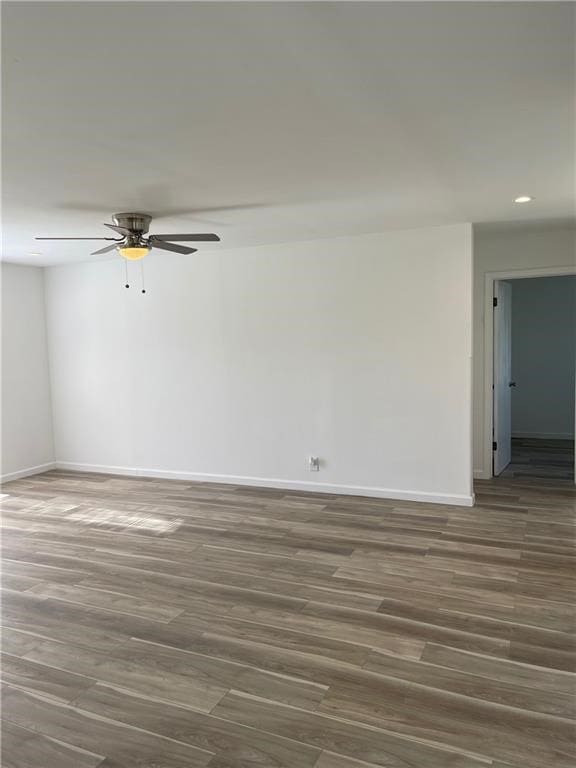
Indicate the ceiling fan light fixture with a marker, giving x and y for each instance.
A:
(133, 252)
(133, 243)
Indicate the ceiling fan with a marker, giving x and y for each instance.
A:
(134, 242)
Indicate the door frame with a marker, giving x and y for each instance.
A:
(490, 279)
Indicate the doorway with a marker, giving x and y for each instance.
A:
(534, 373)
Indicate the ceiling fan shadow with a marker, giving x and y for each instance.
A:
(161, 212)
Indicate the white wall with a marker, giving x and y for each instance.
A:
(27, 443)
(508, 249)
(543, 356)
(239, 364)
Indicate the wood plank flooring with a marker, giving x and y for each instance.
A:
(162, 624)
(534, 457)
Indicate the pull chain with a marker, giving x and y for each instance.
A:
(142, 274)
(126, 273)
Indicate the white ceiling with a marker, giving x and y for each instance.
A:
(322, 118)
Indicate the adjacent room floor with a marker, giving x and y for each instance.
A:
(158, 623)
(541, 458)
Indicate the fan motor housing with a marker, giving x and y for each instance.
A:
(138, 223)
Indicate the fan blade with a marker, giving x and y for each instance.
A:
(187, 238)
(163, 246)
(120, 230)
(105, 249)
(116, 239)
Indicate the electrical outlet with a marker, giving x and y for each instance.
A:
(313, 463)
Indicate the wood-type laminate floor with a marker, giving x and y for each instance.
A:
(164, 624)
(534, 457)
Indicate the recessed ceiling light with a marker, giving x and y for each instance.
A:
(523, 199)
(34, 254)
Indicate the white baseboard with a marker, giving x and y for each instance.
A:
(545, 435)
(264, 482)
(27, 472)
(481, 474)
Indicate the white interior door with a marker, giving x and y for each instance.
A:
(502, 375)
